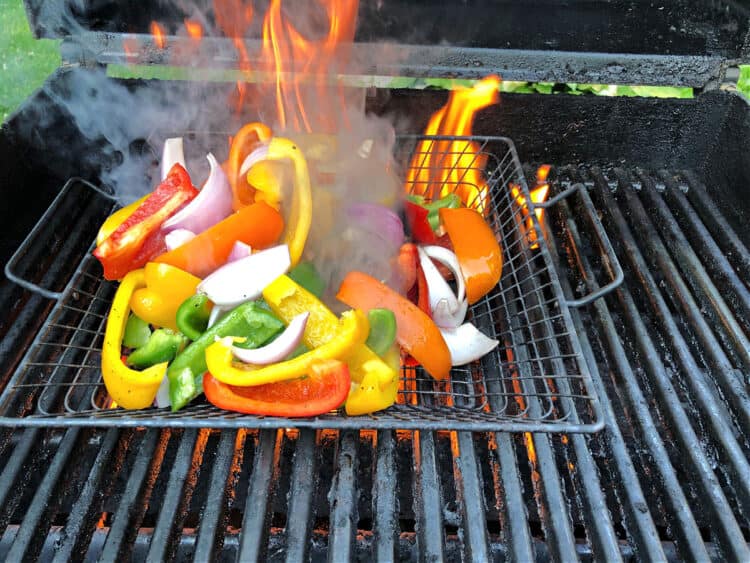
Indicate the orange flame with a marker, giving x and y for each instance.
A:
(234, 18)
(194, 29)
(159, 35)
(298, 60)
(444, 167)
(538, 194)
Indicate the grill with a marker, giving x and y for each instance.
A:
(538, 382)
(667, 477)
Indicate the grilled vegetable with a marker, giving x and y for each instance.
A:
(138, 238)
(249, 137)
(307, 276)
(451, 201)
(323, 389)
(137, 332)
(131, 389)
(249, 320)
(371, 395)
(166, 289)
(257, 225)
(192, 316)
(382, 330)
(162, 346)
(416, 333)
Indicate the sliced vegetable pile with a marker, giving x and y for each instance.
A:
(216, 299)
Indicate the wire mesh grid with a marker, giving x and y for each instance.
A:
(535, 380)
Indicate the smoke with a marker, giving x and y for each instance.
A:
(349, 153)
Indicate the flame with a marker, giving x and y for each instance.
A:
(539, 194)
(234, 18)
(297, 60)
(159, 35)
(194, 29)
(443, 167)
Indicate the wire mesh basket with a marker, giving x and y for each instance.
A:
(535, 380)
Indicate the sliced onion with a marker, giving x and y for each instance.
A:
(239, 250)
(177, 238)
(261, 153)
(277, 350)
(162, 399)
(447, 310)
(212, 204)
(245, 279)
(377, 219)
(450, 261)
(466, 343)
(172, 154)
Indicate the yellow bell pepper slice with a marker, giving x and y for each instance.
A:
(167, 287)
(300, 215)
(351, 330)
(116, 219)
(288, 299)
(131, 389)
(370, 395)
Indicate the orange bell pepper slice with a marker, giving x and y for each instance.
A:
(476, 248)
(415, 331)
(257, 225)
(243, 143)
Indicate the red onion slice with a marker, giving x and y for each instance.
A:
(212, 204)
(172, 154)
(447, 310)
(378, 220)
(177, 238)
(261, 153)
(162, 399)
(450, 261)
(239, 250)
(467, 344)
(245, 279)
(277, 350)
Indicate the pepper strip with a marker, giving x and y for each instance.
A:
(243, 143)
(300, 216)
(351, 331)
(287, 299)
(131, 389)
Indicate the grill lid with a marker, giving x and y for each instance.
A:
(681, 43)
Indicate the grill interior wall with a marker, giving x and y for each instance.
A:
(81, 491)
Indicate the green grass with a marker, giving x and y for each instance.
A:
(24, 61)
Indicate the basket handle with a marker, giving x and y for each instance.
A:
(31, 239)
(601, 235)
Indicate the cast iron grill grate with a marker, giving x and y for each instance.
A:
(535, 380)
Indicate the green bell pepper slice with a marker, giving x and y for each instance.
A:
(192, 316)
(163, 345)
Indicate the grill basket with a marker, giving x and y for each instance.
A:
(536, 380)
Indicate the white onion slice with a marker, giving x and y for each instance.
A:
(467, 344)
(239, 250)
(162, 399)
(172, 154)
(177, 238)
(277, 350)
(215, 315)
(259, 154)
(447, 311)
(212, 204)
(450, 261)
(245, 279)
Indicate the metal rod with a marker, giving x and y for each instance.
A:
(301, 510)
(473, 506)
(428, 506)
(260, 487)
(343, 499)
(211, 528)
(384, 498)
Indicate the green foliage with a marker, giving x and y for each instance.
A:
(24, 61)
(743, 84)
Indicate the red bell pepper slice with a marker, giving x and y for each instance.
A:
(419, 226)
(138, 239)
(325, 388)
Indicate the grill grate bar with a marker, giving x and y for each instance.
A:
(694, 271)
(713, 496)
(641, 524)
(301, 510)
(721, 369)
(727, 238)
(705, 246)
(260, 488)
(343, 498)
(179, 491)
(212, 515)
(384, 498)
(428, 506)
(134, 500)
(473, 505)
